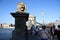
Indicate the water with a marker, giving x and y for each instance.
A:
(6, 33)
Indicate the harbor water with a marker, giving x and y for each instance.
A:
(6, 33)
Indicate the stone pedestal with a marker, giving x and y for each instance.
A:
(20, 32)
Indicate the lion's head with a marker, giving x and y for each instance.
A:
(21, 7)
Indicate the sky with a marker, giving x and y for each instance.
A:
(51, 9)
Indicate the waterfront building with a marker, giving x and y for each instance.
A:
(57, 22)
(32, 21)
(5, 25)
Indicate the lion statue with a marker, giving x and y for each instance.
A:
(21, 7)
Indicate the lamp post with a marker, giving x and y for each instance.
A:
(43, 17)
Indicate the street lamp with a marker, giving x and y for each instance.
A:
(43, 16)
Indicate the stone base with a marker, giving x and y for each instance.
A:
(20, 32)
(17, 35)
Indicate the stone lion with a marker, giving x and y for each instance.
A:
(21, 7)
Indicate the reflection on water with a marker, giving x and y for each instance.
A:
(6, 33)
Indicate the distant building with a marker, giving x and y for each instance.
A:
(4, 25)
(50, 24)
(57, 23)
(38, 24)
(32, 21)
(0, 25)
